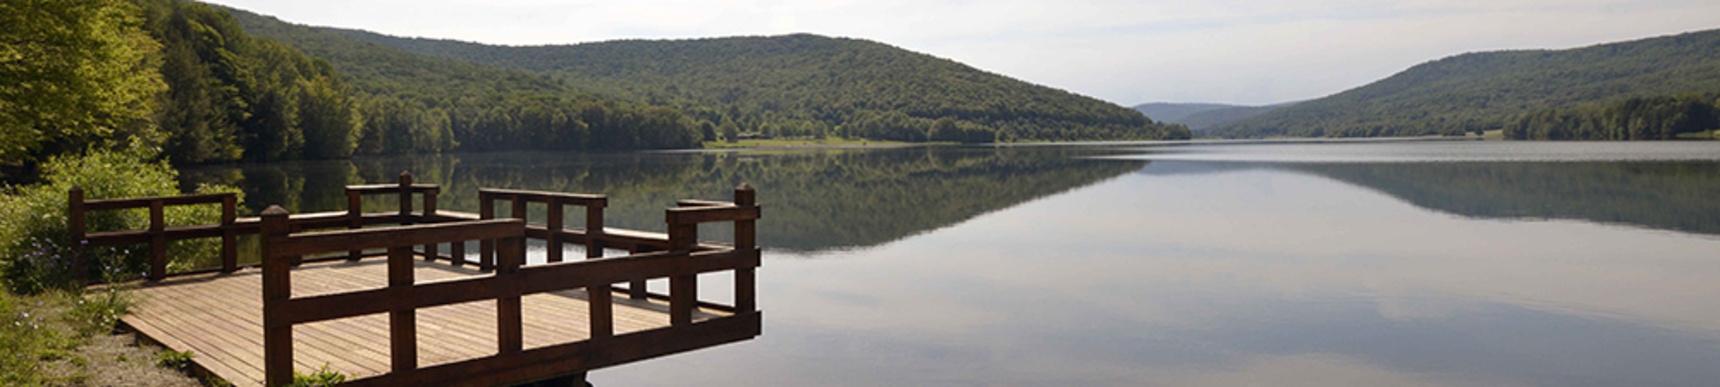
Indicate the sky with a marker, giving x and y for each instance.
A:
(1127, 52)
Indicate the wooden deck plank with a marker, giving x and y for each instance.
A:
(219, 317)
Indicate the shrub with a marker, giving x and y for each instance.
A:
(35, 246)
(323, 377)
(179, 360)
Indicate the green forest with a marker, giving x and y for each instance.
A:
(1477, 92)
(186, 78)
(1642, 118)
(806, 86)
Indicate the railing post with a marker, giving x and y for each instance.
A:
(429, 217)
(510, 254)
(684, 288)
(486, 247)
(636, 288)
(602, 305)
(354, 218)
(519, 210)
(746, 243)
(594, 228)
(75, 224)
(157, 240)
(457, 253)
(552, 243)
(402, 321)
(277, 290)
(229, 235)
(405, 198)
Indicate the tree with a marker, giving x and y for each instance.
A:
(708, 130)
(328, 118)
(71, 73)
(731, 133)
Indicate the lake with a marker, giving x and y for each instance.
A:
(1372, 263)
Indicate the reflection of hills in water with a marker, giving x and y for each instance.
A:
(1681, 196)
(814, 200)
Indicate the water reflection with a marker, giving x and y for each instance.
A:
(1257, 276)
(1582, 181)
(1043, 266)
(816, 200)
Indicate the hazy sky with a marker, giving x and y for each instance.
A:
(1127, 52)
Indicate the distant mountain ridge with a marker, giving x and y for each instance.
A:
(1175, 111)
(804, 84)
(1483, 91)
(1202, 116)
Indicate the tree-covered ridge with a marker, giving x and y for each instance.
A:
(807, 85)
(419, 103)
(1481, 91)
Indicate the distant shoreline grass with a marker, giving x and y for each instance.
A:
(807, 143)
(1711, 134)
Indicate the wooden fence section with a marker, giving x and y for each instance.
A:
(158, 233)
(504, 278)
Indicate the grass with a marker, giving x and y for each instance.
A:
(1495, 134)
(1713, 134)
(801, 142)
(67, 338)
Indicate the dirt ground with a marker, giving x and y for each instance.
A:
(117, 360)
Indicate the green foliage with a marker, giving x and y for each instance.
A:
(1484, 91)
(1643, 118)
(35, 250)
(179, 360)
(771, 84)
(234, 96)
(323, 377)
(72, 73)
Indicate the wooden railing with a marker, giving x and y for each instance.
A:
(682, 260)
(553, 231)
(403, 191)
(158, 233)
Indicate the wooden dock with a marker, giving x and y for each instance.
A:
(412, 316)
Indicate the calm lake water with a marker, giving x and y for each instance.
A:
(1214, 264)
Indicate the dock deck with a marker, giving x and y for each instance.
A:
(219, 318)
(414, 316)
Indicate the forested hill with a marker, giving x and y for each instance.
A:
(472, 106)
(1480, 91)
(808, 85)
